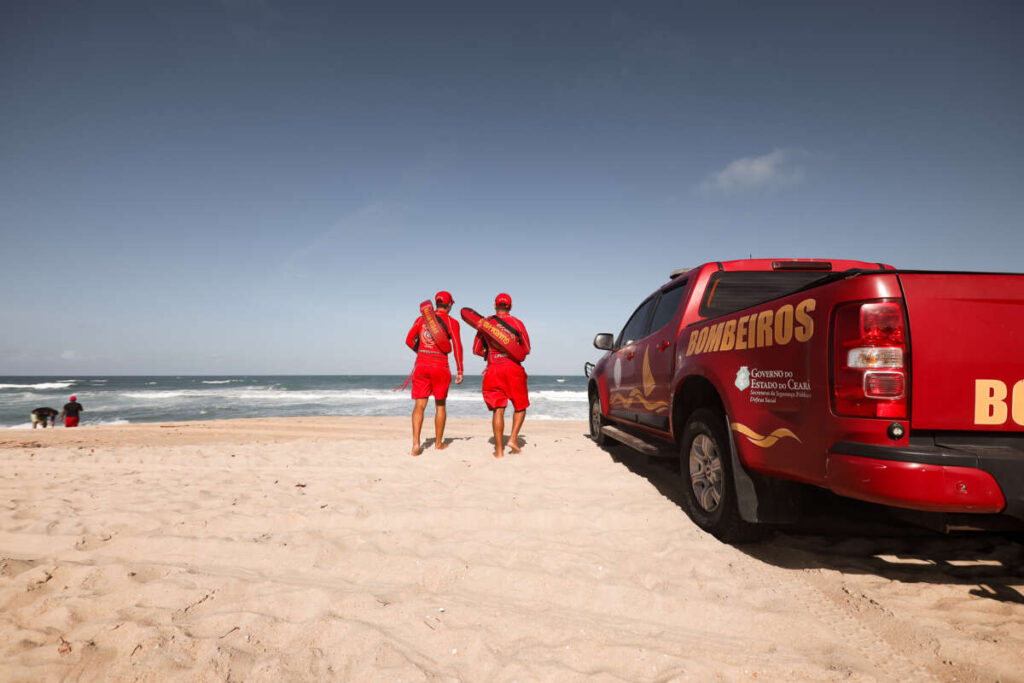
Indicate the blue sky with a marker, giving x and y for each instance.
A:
(270, 187)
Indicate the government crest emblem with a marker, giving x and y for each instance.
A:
(742, 378)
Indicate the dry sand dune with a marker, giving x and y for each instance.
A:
(318, 549)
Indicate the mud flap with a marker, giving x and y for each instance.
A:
(761, 499)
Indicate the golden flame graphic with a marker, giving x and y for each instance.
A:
(648, 376)
(764, 441)
(635, 400)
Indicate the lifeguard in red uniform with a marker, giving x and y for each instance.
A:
(504, 378)
(431, 375)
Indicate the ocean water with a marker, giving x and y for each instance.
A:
(122, 400)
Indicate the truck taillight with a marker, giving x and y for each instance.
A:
(869, 375)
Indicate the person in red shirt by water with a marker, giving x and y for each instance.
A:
(431, 375)
(504, 378)
(70, 413)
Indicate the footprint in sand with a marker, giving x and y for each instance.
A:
(92, 541)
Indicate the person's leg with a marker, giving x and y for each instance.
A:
(417, 424)
(517, 424)
(442, 379)
(440, 415)
(519, 393)
(35, 420)
(498, 423)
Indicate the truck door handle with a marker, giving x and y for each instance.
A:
(664, 345)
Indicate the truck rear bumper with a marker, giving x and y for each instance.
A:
(930, 478)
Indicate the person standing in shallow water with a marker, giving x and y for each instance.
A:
(71, 411)
(431, 376)
(504, 378)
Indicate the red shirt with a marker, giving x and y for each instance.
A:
(493, 354)
(428, 352)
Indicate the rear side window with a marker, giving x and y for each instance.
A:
(637, 325)
(667, 307)
(728, 292)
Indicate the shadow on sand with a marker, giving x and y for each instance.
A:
(520, 441)
(855, 537)
(447, 441)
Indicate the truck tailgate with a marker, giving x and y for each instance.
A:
(966, 350)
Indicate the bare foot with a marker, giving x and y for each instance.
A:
(416, 450)
(441, 446)
(513, 446)
(499, 454)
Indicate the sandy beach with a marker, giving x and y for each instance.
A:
(318, 549)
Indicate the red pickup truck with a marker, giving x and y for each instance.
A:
(899, 387)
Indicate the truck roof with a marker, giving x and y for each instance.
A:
(770, 264)
(799, 264)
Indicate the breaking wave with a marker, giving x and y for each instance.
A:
(64, 384)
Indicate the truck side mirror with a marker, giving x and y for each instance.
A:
(604, 341)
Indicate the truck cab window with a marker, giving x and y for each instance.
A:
(667, 307)
(728, 292)
(636, 328)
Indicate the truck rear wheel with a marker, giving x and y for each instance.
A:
(597, 420)
(705, 466)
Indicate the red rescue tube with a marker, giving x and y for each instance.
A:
(434, 327)
(497, 334)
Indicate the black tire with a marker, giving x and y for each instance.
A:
(597, 421)
(705, 466)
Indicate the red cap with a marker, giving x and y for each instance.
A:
(503, 300)
(72, 398)
(444, 297)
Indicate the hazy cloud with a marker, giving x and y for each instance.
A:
(776, 169)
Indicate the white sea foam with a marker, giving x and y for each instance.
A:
(269, 394)
(561, 396)
(266, 394)
(87, 423)
(64, 384)
(160, 395)
(226, 397)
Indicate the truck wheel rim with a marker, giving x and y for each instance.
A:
(706, 472)
(595, 417)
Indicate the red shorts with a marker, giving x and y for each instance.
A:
(431, 380)
(70, 421)
(504, 382)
